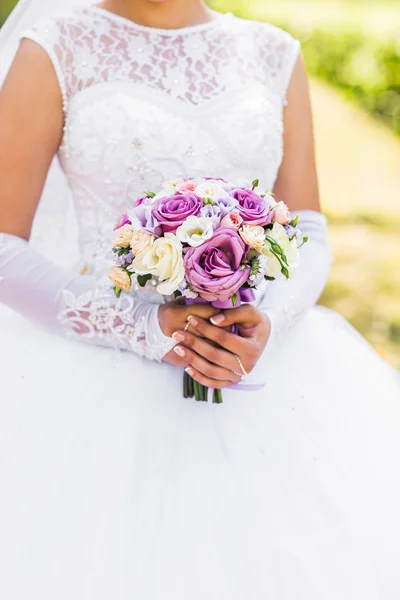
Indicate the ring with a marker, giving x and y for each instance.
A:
(244, 372)
(186, 326)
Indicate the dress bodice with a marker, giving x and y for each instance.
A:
(144, 105)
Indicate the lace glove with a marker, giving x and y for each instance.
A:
(286, 301)
(77, 306)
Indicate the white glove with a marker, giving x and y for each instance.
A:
(77, 306)
(286, 301)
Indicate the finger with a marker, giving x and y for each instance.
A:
(207, 350)
(231, 342)
(246, 315)
(210, 383)
(203, 366)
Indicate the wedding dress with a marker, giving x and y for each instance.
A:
(112, 484)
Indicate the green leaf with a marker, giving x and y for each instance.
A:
(117, 291)
(150, 194)
(268, 278)
(143, 279)
(177, 294)
(255, 184)
(234, 300)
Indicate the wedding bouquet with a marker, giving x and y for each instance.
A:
(207, 240)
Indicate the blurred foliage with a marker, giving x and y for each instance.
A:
(341, 46)
(6, 7)
(365, 68)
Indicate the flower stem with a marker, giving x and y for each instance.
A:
(197, 393)
(217, 397)
(191, 390)
(185, 385)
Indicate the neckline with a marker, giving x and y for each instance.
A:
(220, 17)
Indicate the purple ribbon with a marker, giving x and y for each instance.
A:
(243, 295)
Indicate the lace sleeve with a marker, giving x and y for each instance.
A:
(77, 306)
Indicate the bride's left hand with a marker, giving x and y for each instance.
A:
(212, 359)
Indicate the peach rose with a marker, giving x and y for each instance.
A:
(123, 236)
(186, 186)
(232, 220)
(141, 241)
(282, 213)
(120, 278)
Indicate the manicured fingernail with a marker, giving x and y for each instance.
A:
(193, 321)
(217, 319)
(179, 351)
(189, 371)
(179, 337)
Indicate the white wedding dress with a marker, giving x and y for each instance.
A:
(113, 486)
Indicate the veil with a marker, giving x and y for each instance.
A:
(55, 221)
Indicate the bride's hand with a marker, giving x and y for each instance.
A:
(212, 353)
(173, 317)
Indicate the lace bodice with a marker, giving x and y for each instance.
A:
(143, 105)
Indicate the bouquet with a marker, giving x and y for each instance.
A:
(207, 240)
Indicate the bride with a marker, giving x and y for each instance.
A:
(112, 484)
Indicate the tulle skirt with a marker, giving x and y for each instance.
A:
(113, 486)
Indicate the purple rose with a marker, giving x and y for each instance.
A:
(171, 212)
(123, 220)
(214, 268)
(253, 209)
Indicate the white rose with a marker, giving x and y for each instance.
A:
(164, 260)
(195, 230)
(123, 236)
(211, 190)
(141, 241)
(253, 236)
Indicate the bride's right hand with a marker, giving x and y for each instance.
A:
(173, 317)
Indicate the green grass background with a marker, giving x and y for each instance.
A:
(352, 52)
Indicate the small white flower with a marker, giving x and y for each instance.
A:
(258, 278)
(168, 188)
(195, 230)
(212, 190)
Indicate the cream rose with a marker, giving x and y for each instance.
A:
(164, 260)
(120, 278)
(123, 236)
(211, 190)
(195, 230)
(253, 236)
(141, 241)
